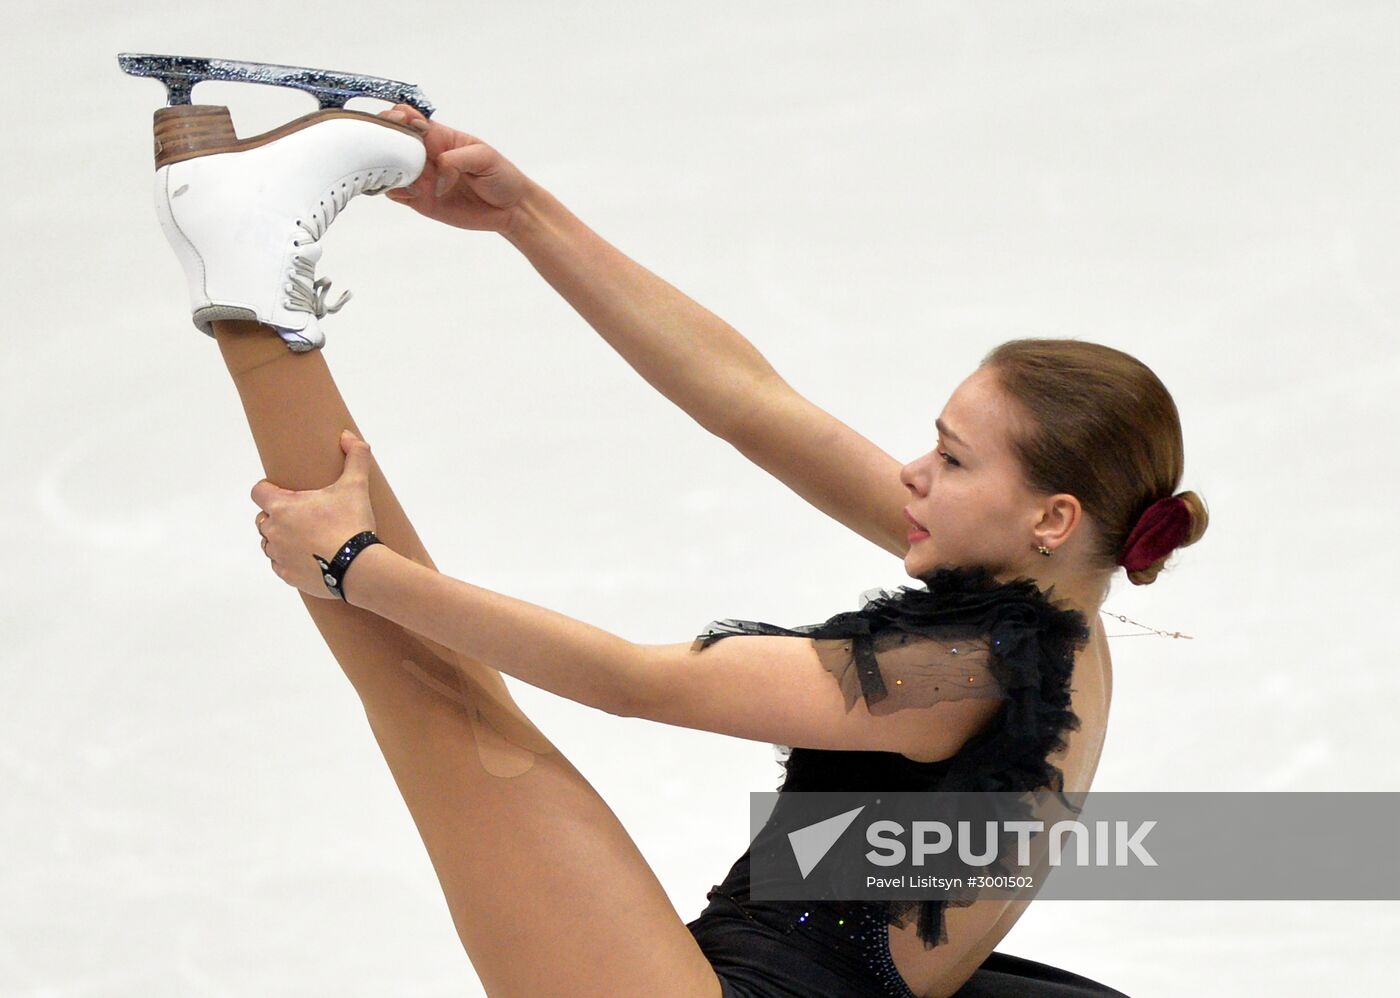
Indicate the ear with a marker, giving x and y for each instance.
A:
(1061, 516)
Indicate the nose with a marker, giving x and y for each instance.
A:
(914, 477)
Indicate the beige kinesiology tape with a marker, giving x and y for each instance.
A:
(507, 743)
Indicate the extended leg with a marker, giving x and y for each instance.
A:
(548, 892)
(301, 452)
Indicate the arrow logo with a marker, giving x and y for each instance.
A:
(810, 844)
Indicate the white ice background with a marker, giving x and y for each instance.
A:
(875, 193)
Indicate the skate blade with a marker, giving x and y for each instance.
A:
(331, 88)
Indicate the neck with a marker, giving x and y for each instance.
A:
(1082, 592)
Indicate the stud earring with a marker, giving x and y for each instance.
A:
(1043, 550)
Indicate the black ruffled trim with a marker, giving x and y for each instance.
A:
(1033, 641)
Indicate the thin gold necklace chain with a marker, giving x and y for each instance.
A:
(1154, 630)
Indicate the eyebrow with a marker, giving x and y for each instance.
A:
(943, 429)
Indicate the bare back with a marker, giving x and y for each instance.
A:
(974, 931)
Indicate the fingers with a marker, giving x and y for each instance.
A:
(447, 179)
(425, 184)
(436, 137)
(477, 159)
(422, 184)
(450, 155)
(264, 492)
(473, 159)
(258, 521)
(405, 114)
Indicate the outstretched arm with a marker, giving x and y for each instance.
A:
(778, 689)
(684, 351)
(702, 364)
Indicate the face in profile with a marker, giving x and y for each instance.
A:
(967, 492)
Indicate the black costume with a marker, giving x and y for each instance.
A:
(965, 634)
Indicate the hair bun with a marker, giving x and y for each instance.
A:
(1174, 522)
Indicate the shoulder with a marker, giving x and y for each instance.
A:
(971, 601)
(1032, 642)
(1021, 625)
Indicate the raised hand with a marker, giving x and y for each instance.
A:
(297, 526)
(465, 182)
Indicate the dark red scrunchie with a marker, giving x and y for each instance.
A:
(1159, 531)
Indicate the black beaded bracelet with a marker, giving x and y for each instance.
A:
(333, 571)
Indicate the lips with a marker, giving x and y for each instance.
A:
(915, 523)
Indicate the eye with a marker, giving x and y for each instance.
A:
(950, 459)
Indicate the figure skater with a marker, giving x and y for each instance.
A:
(1056, 462)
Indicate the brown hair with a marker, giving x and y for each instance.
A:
(1099, 425)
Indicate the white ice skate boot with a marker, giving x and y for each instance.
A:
(245, 216)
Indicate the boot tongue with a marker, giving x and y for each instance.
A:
(309, 337)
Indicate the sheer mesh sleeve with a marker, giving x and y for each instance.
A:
(1012, 640)
(896, 671)
(913, 664)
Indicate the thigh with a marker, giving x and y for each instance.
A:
(548, 892)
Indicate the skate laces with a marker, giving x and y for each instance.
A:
(305, 291)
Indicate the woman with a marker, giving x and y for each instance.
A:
(1048, 455)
